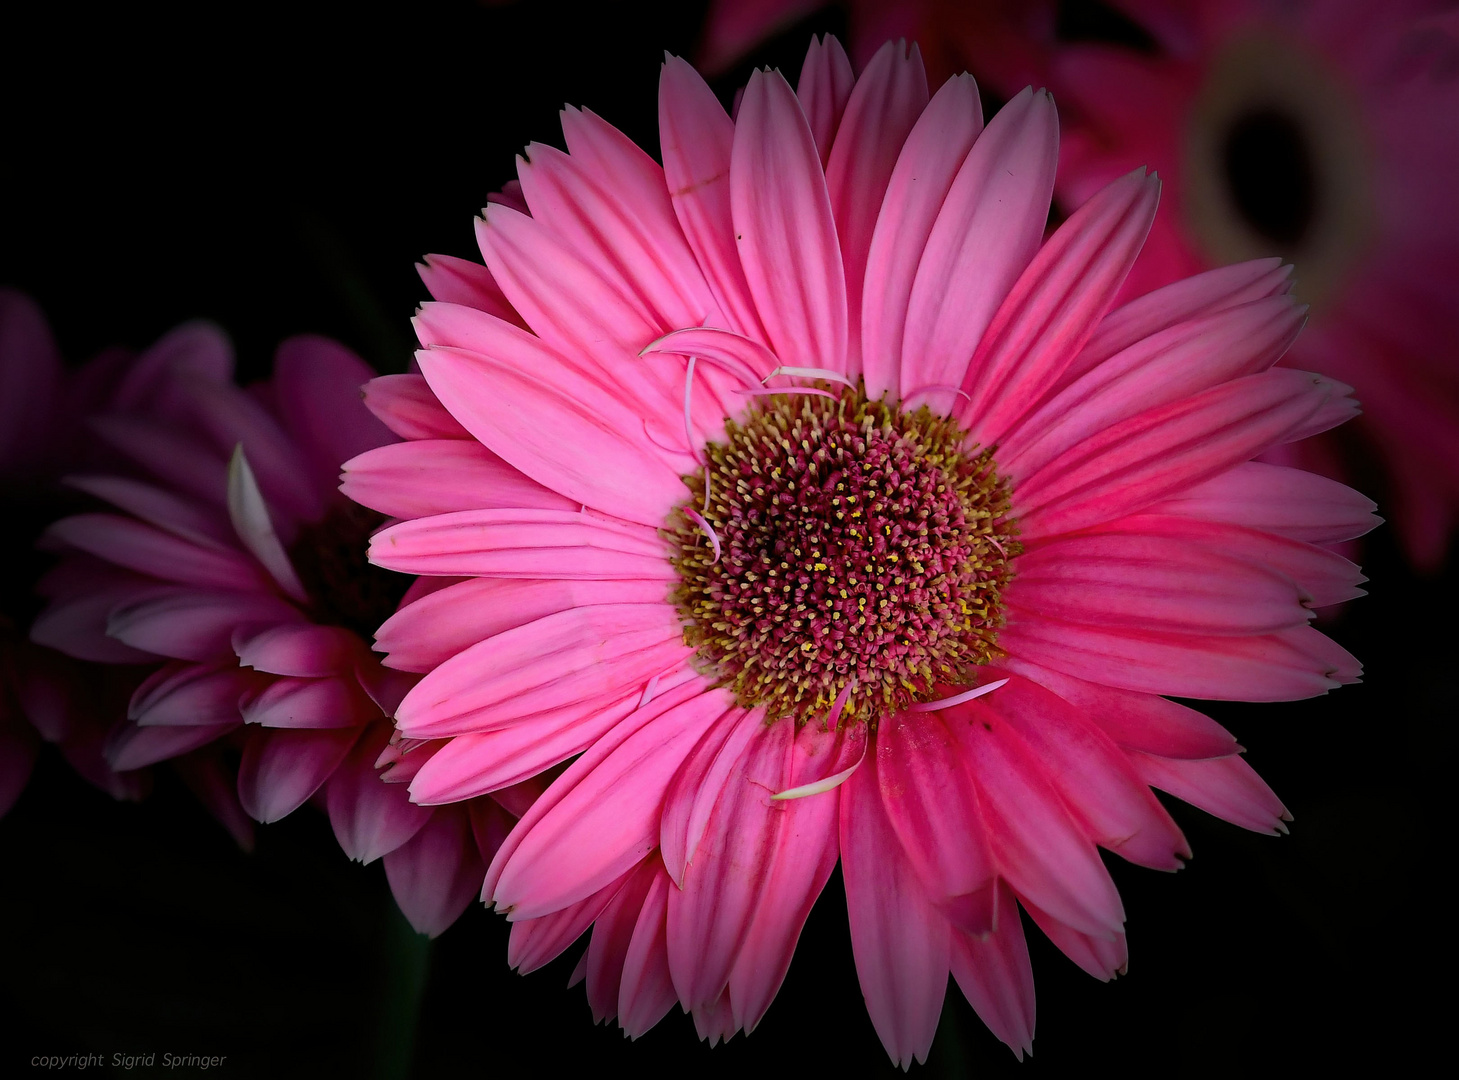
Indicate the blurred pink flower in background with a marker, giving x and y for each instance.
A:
(1320, 131)
(230, 572)
(911, 607)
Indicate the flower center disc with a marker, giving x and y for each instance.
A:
(862, 554)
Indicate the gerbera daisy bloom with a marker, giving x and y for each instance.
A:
(1318, 132)
(232, 574)
(831, 513)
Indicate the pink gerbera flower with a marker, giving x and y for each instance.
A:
(232, 566)
(820, 509)
(1323, 133)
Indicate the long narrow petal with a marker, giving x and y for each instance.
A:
(646, 991)
(522, 543)
(900, 942)
(1055, 305)
(435, 873)
(1227, 787)
(1276, 499)
(1041, 851)
(988, 230)
(696, 136)
(824, 88)
(317, 383)
(930, 802)
(1097, 956)
(583, 443)
(612, 934)
(336, 702)
(926, 168)
(602, 824)
(461, 281)
(370, 818)
(281, 769)
(189, 624)
(254, 525)
(784, 228)
(996, 977)
(406, 405)
(886, 101)
(584, 654)
(147, 550)
(439, 476)
(186, 694)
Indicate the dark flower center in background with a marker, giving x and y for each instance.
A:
(860, 547)
(344, 589)
(1270, 170)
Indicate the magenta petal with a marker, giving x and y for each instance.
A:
(996, 977)
(147, 550)
(1289, 502)
(370, 817)
(583, 655)
(460, 281)
(884, 105)
(523, 543)
(301, 649)
(824, 88)
(1100, 958)
(612, 934)
(333, 702)
(696, 135)
(1109, 799)
(1227, 787)
(930, 802)
(130, 746)
(187, 694)
(784, 228)
(189, 624)
(180, 462)
(691, 797)
(646, 991)
(1041, 850)
(1133, 720)
(281, 769)
(901, 943)
(435, 874)
(534, 942)
(987, 231)
(601, 824)
(925, 170)
(405, 404)
(438, 476)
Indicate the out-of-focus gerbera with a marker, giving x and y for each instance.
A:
(1321, 132)
(231, 567)
(822, 509)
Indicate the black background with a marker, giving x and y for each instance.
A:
(279, 169)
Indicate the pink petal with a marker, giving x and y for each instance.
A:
(585, 443)
(439, 476)
(1289, 502)
(76, 625)
(435, 874)
(1109, 800)
(1055, 305)
(925, 170)
(429, 631)
(988, 229)
(884, 105)
(695, 135)
(300, 649)
(460, 281)
(824, 88)
(535, 942)
(583, 655)
(1183, 360)
(800, 863)
(1284, 666)
(601, 824)
(370, 817)
(900, 942)
(254, 525)
(612, 934)
(1134, 721)
(646, 991)
(522, 543)
(1191, 298)
(406, 405)
(1100, 958)
(1227, 787)
(180, 462)
(179, 516)
(1041, 851)
(1157, 453)
(930, 802)
(281, 769)
(1137, 579)
(784, 229)
(695, 790)
(996, 977)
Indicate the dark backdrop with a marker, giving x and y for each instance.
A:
(279, 170)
